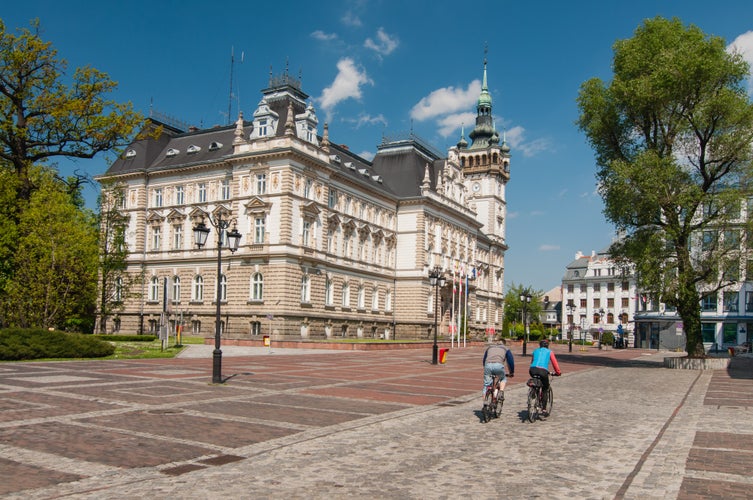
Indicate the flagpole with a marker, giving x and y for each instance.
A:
(452, 314)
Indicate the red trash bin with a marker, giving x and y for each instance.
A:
(443, 355)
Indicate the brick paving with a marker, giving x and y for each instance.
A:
(376, 424)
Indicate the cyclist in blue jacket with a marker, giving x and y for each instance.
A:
(540, 360)
(495, 357)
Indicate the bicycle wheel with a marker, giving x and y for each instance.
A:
(533, 412)
(487, 411)
(500, 403)
(550, 401)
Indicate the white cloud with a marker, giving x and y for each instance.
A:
(351, 19)
(743, 45)
(513, 215)
(537, 213)
(446, 100)
(322, 36)
(549, 248)
(365, 119)
(366, 155)
(452, 123)
(347, 85)
(515, 137)
(385, 44)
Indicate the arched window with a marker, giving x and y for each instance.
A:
(346, 295)
(374, 299)
(154, 289)
(361, 297)
(197, 293)
(305, 288)
(328, 292)
(176, 288)
(257, 286)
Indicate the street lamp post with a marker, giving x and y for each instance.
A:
(525, 298)
(601, 322)
(201, 232)
(571, 312)
(437, 280)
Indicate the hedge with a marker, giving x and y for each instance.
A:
(23, 344)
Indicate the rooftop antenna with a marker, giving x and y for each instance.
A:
(230, 95)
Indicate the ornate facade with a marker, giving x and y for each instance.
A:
(331, 244)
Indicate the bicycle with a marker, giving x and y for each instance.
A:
(535, 398)
(493, 400)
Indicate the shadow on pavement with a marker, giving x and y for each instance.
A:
(611, 362)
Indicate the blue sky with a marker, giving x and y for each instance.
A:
(375, 67)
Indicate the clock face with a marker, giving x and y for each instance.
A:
(476, 187)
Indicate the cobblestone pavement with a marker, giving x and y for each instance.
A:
(379, 424)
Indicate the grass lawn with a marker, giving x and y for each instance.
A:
(149, 350)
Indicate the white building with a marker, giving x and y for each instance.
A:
(331, 244)
(597, 297)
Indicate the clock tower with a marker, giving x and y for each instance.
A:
(486, 168)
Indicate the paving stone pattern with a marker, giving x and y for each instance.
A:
(302, 424)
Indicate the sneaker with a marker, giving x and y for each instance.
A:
(501, 395)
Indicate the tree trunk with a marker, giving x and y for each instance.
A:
(689, 309)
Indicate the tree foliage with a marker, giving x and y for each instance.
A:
(54, 268)
(672, 136)
(43, 117)
(514, 306)
(48, 239)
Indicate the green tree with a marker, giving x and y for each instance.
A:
(53, 283)
(115, 282)
(672, 135)
(514, 306)
(43, 117)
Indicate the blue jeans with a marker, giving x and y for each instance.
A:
(491, 369)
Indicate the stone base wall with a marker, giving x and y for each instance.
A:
(685, 363)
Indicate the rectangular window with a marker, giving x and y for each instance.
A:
(729, 333)
(583, 303)
(597, 303)
(177, 237)
(306, 233)
(597, 287)
(731, 239)
(179, 195)
(748, 301)
(225, 189)
(261, 183)
(625, 302)
(709, 240)
(708, 303)
(708, 332)
(730, 301)
(262, 128)
(625, 286)
(610, 286)
(731, 270)
(259, 224)
(610, 303)
(202, 193)
(156, 238)
(570, 288)
(158, 197)
(307, 188)
(332, 198)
